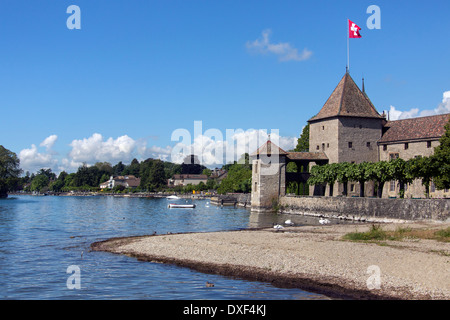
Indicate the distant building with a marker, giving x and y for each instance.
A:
(129, 181)
(185, 179)
(218, 174)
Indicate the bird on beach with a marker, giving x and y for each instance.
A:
(324, 221)
(289, 222)
(278, 227)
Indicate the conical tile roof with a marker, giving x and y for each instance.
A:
(347, 100)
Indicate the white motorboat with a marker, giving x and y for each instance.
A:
(184, 206)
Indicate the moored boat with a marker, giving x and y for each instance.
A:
(175, 205)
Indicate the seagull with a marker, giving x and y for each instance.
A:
(324, 221)
(278, 227)
(289, 222)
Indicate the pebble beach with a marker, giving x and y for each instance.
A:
(312, 258)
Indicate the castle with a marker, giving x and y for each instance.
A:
(348, 128)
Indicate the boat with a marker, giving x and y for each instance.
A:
(172, 197)
(174, 205)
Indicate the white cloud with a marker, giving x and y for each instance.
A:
(32, 160)
(49, 142)
(442, 108)
(97, 149)
(94, 149)
(284, 51)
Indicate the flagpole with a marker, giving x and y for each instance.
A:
(348, 46)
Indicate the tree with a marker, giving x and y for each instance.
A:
(358, 172)
(239, 178)
(424, 168)
(343, 175)
(317, 176)
(118, 169)
(57, 185)
(40, 183)
(152, 175)
(207, 172)
(331, 174)
(9, 170)
(303, 141)
(399, 172)
(48, 173)
(441, 158)
(380, 172)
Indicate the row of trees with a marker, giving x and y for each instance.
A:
(426, 169)
(153, 173)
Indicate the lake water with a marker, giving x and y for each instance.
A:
(40, 237)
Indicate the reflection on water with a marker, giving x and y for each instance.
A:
(40, 237)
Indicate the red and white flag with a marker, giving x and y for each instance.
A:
(353, 30)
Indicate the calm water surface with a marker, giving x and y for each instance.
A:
(40, 237)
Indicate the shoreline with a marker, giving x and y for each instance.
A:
(310, 258)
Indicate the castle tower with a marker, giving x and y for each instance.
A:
(268, 176)
(348, 126)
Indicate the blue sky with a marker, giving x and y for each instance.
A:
(138, 70)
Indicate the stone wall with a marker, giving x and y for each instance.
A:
(368, 209)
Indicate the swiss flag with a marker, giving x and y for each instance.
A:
(353, 30)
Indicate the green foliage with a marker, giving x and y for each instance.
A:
(207, 172)
(375, 233)
(152, 174)
(9, 171)
(303, 141)
(441, 160)
(40, 183)
(239, 178)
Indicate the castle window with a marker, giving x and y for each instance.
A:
(350, 145)
(428, 144)
(323, 127)
(256, 186)
(432, 187)
(368, 144)
(318, 148)
(385, 147)
(352, 188)
(392, 186)
(406, 146)
(393, 156)
(328, 145)
(323, 146)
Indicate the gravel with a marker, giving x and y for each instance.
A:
(313, 258)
